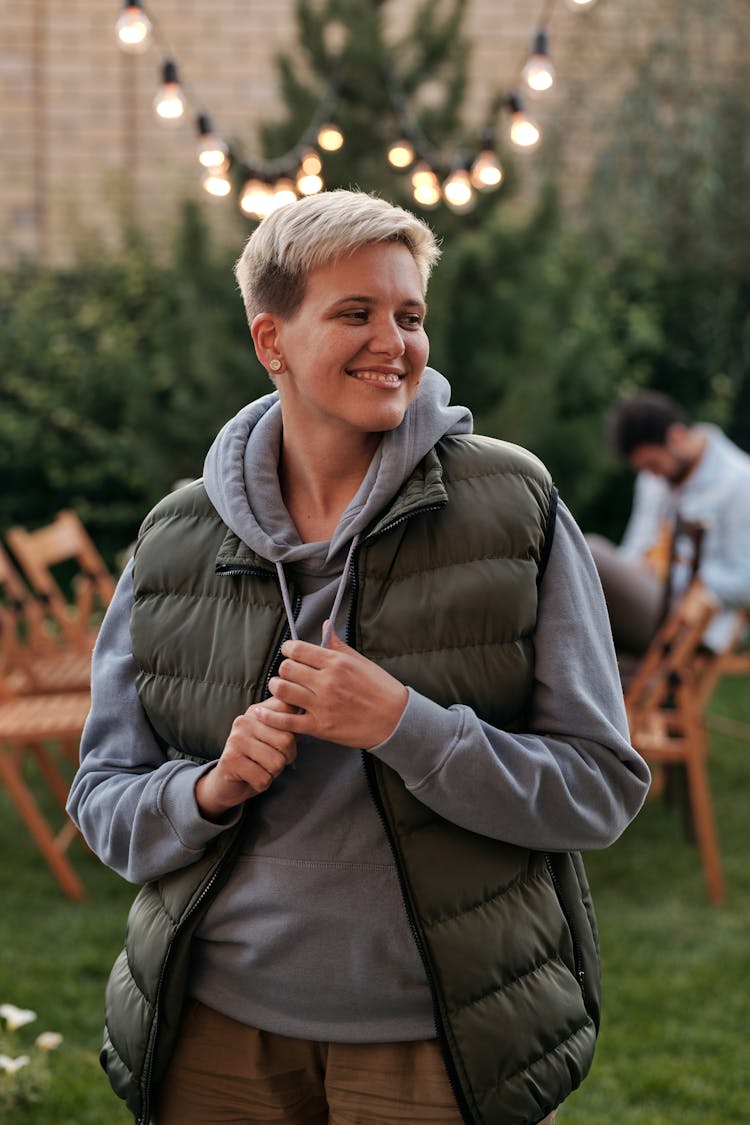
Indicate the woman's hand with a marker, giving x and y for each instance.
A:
(335, 694)
(253, 756)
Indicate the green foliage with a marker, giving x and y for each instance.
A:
(668, 209)
(116, 376)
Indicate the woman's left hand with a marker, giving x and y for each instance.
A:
(341, 696)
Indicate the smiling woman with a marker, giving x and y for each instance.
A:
(399, 927)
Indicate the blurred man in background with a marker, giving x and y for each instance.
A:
(691, 511)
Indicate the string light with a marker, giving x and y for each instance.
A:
(169, 103)
(330, 138)
(212, 152)
(458, 192)
(216, 182)
(401, 153)
(525, 134)
(486, 172)
(299, 171)
(256, 198)
(283, 192)
(133, 28)
(539, 73)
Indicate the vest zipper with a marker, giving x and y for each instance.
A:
(577, 957)
(403, 518)
(150, 1050)
(372, 788)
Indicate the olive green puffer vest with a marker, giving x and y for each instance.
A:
(445, 598)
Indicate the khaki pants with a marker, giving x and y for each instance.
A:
(224, 1073)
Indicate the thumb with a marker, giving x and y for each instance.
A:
(334, 640)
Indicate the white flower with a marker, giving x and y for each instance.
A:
(16, 1017)
(49, 1040)
(10, 1066)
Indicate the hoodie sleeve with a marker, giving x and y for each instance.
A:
(572, 781)
(135, 807)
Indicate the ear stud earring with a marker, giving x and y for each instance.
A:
(275, 365)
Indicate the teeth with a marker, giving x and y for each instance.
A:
(376, 377)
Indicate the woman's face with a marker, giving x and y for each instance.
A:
(355, 350)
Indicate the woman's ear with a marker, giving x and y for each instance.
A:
(264, 331)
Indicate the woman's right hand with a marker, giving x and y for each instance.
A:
(253, 756)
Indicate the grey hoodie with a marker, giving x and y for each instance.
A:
(309, 938)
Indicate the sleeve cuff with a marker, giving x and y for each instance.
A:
(423, 739)
(178, 804)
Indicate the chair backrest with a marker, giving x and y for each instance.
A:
(676, 655)
(22, 618)
(63, 540)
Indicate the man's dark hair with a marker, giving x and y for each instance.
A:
(642, 419)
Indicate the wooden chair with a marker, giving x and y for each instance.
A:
(48, 729)
(65, 540)
(38, 720)
(35, 656)
(666, 701)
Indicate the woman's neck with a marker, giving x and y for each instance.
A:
(317, 485)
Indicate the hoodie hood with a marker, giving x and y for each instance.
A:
(241, 471)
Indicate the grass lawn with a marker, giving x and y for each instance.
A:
(673, 1046)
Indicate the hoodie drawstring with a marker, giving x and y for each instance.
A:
(336, 601)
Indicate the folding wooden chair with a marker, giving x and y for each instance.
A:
(36, 657)
(48, 729)
(64, 540)
(666, 701)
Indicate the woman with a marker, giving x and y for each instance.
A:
(355, 707)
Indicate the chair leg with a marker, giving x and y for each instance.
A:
(51, 846)
(703, 823)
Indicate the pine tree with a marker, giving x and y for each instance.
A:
(377, 83)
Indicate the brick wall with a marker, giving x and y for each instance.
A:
(80, 142)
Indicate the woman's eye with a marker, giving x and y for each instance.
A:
(412, 320)
(356, 314)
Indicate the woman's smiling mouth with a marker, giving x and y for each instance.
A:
(373, 375)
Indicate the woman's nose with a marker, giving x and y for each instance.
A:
(387, 338)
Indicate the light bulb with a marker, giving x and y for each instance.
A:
(216, 182)
(256, 198)
(525, 134)
(458, 192)
(169, 103)
(308, 183)
(422, 174)
(580, 5)
(539, 73)
(310, 163)
(133, 28)
(427, 192)
(212, 151)
(330, 137)
(486, 172)
(401, 153)
(283, 192)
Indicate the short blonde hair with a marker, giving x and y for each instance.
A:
(317, 231)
